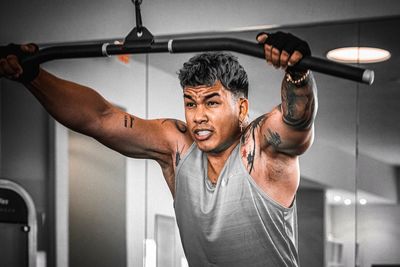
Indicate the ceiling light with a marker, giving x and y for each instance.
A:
(358, 55)
(337, 198)
(347, 201)
(363, 201)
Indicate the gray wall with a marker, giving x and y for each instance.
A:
(126, 86)
(311, 213)
(97, 204)
(343, 229)
(378, 233)
(377, 178)
(24, 156)
(60, 21)
(1, 127)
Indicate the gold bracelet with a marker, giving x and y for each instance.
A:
(299, 81)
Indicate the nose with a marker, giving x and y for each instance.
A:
(200, 115)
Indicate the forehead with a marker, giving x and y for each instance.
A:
(204, 90)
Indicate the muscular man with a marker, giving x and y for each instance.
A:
(233, 182)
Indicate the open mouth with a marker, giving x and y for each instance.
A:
(202, 134)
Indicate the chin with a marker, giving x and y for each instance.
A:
(204, 147)
(209, 148)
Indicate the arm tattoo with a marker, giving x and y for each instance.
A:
(128, 121)
(178, 124)
(273, 138)
(178, 155)
(299, 104)
(250, 132)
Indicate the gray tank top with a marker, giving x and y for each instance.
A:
(233, 223)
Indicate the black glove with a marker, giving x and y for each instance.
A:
(288, 42)
(30, 71)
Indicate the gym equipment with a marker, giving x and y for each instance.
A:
(140, 41)
(18, 226)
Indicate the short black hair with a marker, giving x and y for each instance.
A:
(208, 68)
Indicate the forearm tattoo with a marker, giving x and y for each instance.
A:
(299, 104)
(178, 124)
(128, 121)
(249, 132)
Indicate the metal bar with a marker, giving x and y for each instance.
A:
(199, 45)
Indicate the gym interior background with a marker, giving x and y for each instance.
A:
(97, 208)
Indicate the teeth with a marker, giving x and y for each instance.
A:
(203, 132)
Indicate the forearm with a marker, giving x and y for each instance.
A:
(299, 101)
(75, 106)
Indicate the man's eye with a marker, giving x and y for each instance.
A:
(212, 103)
(190, 105)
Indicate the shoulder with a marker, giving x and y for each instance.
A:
(174, 124)
(178, 138)
(261, 144)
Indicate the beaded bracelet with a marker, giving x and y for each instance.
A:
(299, 81)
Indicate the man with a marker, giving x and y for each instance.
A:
(233, 183)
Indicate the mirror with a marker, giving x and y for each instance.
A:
(378, 159)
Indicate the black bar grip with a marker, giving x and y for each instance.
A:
(198, 45)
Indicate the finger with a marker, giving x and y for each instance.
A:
(14, 64)
(262, 37)
(284, 59)
(294, 58)
(29, 48)
(268, 53)
(6, 69)
(276, 54)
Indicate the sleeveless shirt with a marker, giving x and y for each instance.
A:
(234, 223)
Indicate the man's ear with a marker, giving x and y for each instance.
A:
(243, 108)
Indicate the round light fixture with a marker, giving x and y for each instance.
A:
(363, 201)
(358, 55)
(337, 198)
(347, 201)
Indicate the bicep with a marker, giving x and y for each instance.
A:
(136, 137)
(277, 135)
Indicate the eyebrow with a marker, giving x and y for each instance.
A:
(205, 97)
(188, 96)
(211, 96)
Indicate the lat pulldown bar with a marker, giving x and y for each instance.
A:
(140, 41)
(196, 45)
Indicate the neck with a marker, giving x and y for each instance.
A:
(216, 161)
